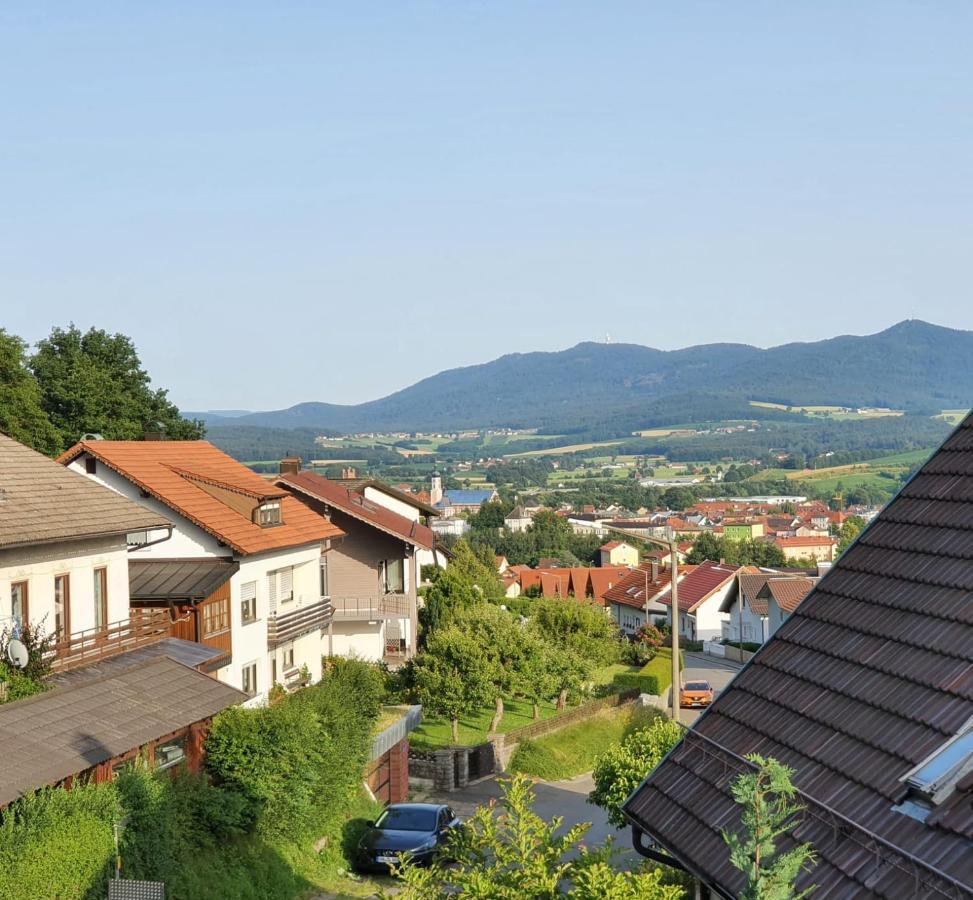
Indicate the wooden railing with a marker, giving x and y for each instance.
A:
(142, 627)
(379, 607)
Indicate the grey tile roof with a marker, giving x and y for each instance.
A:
(869, 676)
(41, 501)
(46, 738)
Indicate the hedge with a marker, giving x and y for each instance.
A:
(658, 673)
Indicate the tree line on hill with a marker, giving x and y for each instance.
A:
(75, 383)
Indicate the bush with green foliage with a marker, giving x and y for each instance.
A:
(298, 762)
(507, 851)
(767, 796)
(58, 843)
(621, 769)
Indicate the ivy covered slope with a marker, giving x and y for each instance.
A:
(278, 779)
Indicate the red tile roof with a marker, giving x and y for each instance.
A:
(699, 585)
(789, 592)
(317, 487)
(630, 590)
(190, 476)
(611, 545)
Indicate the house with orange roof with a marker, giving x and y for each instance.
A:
(618, 553)
(242, 570)
(634, 600)
(819, 548)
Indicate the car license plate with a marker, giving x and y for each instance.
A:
(697, 703)
(387, 860)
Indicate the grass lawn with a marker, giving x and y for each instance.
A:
(434, 734)
(575, 748)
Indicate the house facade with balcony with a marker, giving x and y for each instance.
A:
(244, 570)
(64, 549)
(372, 573)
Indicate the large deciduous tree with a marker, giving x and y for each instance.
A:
(94, 382)
(22, 414)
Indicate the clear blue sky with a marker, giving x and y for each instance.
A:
(321, 201)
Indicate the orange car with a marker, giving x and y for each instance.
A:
(696, 693)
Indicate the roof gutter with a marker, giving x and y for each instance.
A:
(649, 852)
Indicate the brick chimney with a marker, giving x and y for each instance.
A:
(290, 465)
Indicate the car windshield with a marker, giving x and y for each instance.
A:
(696, 686)
(407, 818)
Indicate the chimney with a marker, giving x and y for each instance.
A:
(290, 465)
(349, 472)
(655, 569)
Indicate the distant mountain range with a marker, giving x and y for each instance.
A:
(617, 387)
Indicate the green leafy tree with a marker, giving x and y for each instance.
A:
(850, 529)
(454, 675)
(769, 812)
(621, 768)
(578, 625)
(94, 382)
(505, 851)
(22, 414)
(706, 546)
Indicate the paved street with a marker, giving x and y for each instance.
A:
(718, 672)
(555, 798)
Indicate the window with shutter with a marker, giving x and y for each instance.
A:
(286, 585)
(272, 593)
(248, 602)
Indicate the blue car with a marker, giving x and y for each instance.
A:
(416, 829)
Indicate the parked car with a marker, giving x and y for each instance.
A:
(696, 694)
(419, 829)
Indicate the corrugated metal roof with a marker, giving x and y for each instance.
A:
(178, 579)
(872, 673)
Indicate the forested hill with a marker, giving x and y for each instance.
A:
(612, 387)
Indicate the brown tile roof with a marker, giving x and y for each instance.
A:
(612, 545)
(749, 585)
(41, 501)
(789, 592)
(317, 487)
(198, 481)
(700, 584)
(66, 731)
(871, 675)
(630, 590)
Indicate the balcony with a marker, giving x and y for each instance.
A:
(143, 627)
(364, 609)
(287, 624)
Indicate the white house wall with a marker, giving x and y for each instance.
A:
(364, 640)
(708, 618)
(38, 564)
(406, 510)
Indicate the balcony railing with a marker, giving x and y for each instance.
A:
(287, 625)
(386, 606)
(142, 627)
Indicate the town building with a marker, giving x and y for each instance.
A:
(816, 548)
(268, 616)
(618, 553)
(701, 595)
(866, 692)
(372, 572)
(457, 502)
(633, 600)
(518, 519)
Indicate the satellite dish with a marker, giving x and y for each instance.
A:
(17, 653)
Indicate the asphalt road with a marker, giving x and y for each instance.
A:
(567, 799)
(700, 667)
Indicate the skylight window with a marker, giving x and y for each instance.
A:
(935, 777)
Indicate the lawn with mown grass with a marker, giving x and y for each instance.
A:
(434, 733)
(574, 749)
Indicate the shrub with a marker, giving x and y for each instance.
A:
(657, 674)
(58, 843)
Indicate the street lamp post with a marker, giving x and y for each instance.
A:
(672, 544)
